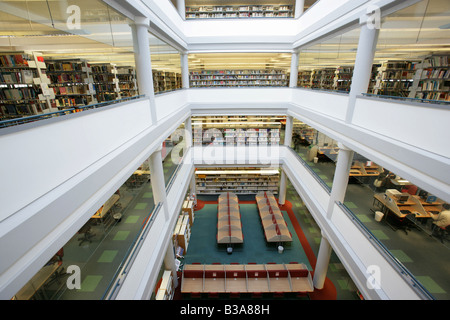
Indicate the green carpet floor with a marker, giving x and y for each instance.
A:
(203, 246)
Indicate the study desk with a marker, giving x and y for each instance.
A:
(100, 214)
(257, 280)
(401, 210)
(36, 283)
(192, 283)
(278, 278)
(236, 278)
(214, 279)
(300, 278)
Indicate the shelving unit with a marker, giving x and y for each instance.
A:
(182, 235)
(237, 180)
(106, 81)
(432, 78)
(343, 78)
(24, 85)
(238, 78)
(127, 81)
(304, 79)
(239, 11)
(394, 78)
(166, 81)
(166, 289)
(72, 82)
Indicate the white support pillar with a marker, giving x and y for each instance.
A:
(184, 70)
(340, 180)
(294, 70)
(288, 131)
(283, 187)
(193, 189)
(157, 180)
(181, 8)
(143, 61)
(368, 38)
(299, 8)
(169, 263)
(323, 260)
(188, 132)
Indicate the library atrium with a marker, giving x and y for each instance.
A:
(214, 150)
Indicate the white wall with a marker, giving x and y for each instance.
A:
(37, 159)
(418, 125)
(331, 104)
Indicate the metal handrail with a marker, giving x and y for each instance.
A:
(23, 120)
(131, 254)
(406, 98)
(387, 254)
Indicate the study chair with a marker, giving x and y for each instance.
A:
(86, 232)
(441, 232)
(59, 273)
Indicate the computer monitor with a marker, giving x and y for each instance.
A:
(431, 199)
(423, 194)
(403, 198)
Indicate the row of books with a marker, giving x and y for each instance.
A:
(238, 8)
(21, 108)
(19, 94)
(436, 61)
(442, 96)
(11, 77)
(15, 60)
(67, 78)
(239, 83)
(236, 72)
(435, 85)
(239, 77)
(64, 66)
(435, 73)
(71, 90)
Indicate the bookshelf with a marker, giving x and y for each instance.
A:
(239, 11)
(432, 78)
(237, 180)
(72, 82)
(343, 78)
(127, 81)
(394, 78)
(238, 78)
(24, 85)
(106, 81)
(166, 81)
(304, 79)
(166, 289)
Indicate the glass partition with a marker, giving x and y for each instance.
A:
(166, 66)
(98, 248)
(80, 53)
(406, 219)
(317, 149)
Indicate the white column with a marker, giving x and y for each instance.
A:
(192, 188)
(143, 61)
(283, 187)
(323, 260)
(169, 263)
(299, 8)
(184, 70)
(288, 131)
(294, 70)
(157, 179)
(188, 133)
(368, 38)
(181, 9)
(340, 180)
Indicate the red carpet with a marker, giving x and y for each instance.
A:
(329, 290)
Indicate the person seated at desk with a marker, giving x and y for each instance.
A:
(442, 219)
